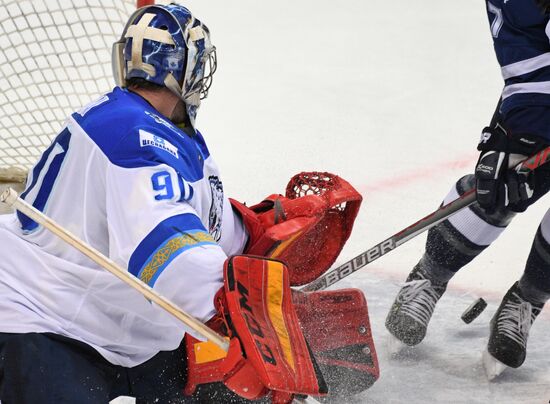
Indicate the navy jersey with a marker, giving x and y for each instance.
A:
(522, 46)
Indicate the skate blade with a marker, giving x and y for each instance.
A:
(395, 346)
(493, 367)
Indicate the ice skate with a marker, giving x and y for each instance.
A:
(510, 327)
(412, 309)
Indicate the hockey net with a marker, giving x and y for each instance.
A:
(55, 56)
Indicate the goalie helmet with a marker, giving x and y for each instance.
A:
(166, 45)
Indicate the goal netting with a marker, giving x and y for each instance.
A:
(55, 56)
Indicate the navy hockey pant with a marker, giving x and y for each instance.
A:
(47, 368)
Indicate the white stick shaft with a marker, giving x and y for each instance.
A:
(10, 197)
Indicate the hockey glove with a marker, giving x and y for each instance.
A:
(307, 228)
(499, 181)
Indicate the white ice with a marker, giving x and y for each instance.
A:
(391, 95)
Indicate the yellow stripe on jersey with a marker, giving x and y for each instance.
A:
(169, 250)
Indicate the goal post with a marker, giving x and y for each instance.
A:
(55, 56)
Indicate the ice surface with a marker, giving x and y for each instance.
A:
(392, 96)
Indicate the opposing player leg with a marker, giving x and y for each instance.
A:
(450, 245)
(520, 307)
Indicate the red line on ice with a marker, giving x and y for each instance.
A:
(427, 172)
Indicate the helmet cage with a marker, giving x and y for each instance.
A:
(166, 45)
(210, 68)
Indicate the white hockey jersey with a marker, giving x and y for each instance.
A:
(149, 196)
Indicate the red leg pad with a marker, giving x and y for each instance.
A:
(262, 313)
(337, 327)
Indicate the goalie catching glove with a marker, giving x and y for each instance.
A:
(307, 228)
(268, 354)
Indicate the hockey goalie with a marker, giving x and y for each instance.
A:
(132, 176)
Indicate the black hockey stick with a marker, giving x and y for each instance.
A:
(390, 244)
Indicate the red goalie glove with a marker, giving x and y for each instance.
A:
(268, 353)
(307, 228)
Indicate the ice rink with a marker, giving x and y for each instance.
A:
(391, 96)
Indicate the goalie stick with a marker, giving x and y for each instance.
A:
(427, 222)
(10, 197)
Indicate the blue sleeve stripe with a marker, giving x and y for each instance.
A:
(161, 258)
(167, 240)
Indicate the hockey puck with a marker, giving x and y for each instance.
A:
(475, 309)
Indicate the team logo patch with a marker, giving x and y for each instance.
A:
(148, 139)
(216, 208)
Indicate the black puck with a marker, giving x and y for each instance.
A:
(475, 309)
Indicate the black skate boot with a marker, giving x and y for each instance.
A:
(510, 328)
(413, 307)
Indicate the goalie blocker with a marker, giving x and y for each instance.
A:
(268, 354)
